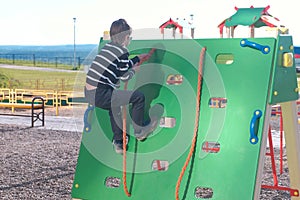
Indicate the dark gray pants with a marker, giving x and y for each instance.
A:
(112, 100)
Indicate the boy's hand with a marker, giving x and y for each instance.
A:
(143, 57)
(136, 67)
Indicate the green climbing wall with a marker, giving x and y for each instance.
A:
(239, 78)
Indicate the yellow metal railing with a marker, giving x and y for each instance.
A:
(24, 96)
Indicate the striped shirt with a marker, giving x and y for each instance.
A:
(110, 66)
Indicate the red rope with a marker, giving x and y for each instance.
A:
(192, 149)
(125, 131)
(124, 148)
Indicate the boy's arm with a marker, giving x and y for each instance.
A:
(125, 63)
(128, 75)
(130, 66)
(125, 67)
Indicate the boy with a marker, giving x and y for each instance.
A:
(103, 80)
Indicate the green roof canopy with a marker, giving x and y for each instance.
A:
(252, 17)
(246, 17)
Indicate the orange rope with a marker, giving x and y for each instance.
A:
(192, 149)
(125, 131)
(124, 148)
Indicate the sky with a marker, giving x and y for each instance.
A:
(50, 22)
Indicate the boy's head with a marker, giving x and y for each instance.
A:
(120, 32)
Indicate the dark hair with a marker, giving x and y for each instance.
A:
(118, 31)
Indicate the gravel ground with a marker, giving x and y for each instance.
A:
(37, 164)
(40, 164)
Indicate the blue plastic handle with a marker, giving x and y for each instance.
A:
(87, 125)
(246, 43)
(253, 133)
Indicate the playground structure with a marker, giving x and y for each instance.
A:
(218, 96)
(178, 24)
(253, 18)
(172, 25)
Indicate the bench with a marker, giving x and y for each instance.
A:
(37, 109)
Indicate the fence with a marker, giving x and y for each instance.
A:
(39, 61)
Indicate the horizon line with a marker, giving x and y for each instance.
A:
(1, 45)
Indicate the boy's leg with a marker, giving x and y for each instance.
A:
(90, 96)
(121, 97)
(137, 99)
(138, 109)
(155, 114)
(116, 123)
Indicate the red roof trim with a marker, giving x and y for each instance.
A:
(171, 22)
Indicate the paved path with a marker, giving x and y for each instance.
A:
(51, 122)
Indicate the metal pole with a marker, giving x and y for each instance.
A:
(74, 61)
(192, 26)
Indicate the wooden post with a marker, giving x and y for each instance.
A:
(232, 31)
(12, 99)
(228, 32)
(262, 154)
(292, 143)
(56, 103)
(251, 28)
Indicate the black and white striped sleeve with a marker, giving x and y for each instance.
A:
(125, 66)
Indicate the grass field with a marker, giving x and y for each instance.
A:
(38, 79)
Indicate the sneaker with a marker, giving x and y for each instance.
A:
(118, 145)
(146, 131)
(155, 113)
